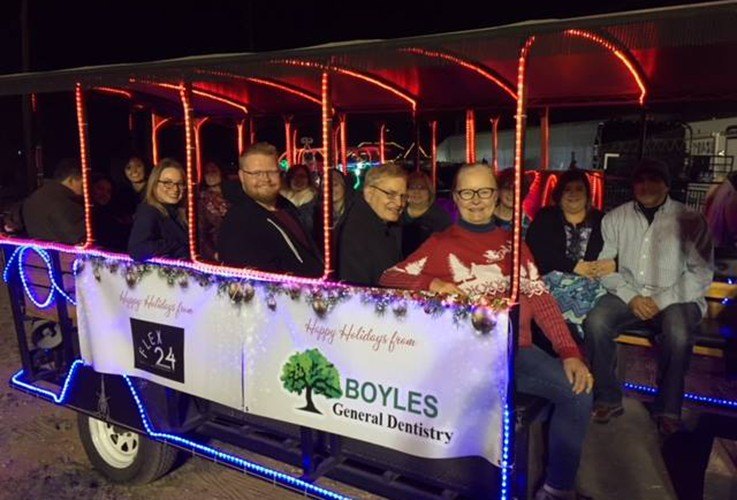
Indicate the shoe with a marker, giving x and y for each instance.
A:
(668, 426)
(602, 414)
(544, 494)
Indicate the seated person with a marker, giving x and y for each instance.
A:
(160, 223)
(721, 214)
(55, 211)
(302, 193)
(108, 231)
(565, 240)
(504, 211)
(474, 257)
(131, 190)
(371, 239)
(211, 209)
(665, 266)
(262, 229)
(423, 216)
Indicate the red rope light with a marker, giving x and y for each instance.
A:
(624, 58)
(295, 135)
(519, 149)
(285, 88)
(84, 160)
(327, 204)
(190, 151)
(156, 123)
(382, 143)
(467, 65)
(288, 139)
(354, 74)
(112, 91)
(495, 144)
(239, 136)
(434, 151)
(343, 146)
(470, 136)
(198, 145)
(206, 94)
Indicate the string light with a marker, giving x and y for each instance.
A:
(506, 466)
(495, 144)
(288, 138)
(470, 136)
(17, 257)
(156, 123)
(629, 63)
(208, 451)
(190, 151)
(434, 151)
(291, 89)
(519, 148)
(84, 160)
(112, 91)
(343, 139)
(697, 398)
(239, 136)
(401, 93)
(327, 202)
(478, 68)
(382, 143)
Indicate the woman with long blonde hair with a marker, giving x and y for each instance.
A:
(160, 223)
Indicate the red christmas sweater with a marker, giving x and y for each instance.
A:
(480, 265)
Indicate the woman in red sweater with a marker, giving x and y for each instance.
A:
(474, 258)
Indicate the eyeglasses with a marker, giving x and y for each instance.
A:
(271, 174)
(171, 184)
(483, 193)
(392, 195)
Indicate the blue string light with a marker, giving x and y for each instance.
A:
(17, 257)
(708, 400)
(506, 468)
(214, 453)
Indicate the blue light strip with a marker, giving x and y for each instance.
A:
(17, 258)
(210, 452)
(506, 468)
(717, 402)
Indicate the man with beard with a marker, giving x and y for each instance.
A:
(261, 229)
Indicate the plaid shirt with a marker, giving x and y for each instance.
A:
(670, 260)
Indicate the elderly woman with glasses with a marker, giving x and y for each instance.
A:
(423, 216)
(160, 224)
(370, 240)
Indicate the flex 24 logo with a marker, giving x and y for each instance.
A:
(158, 349)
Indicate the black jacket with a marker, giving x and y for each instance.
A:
(416, 230)
(546, 238)
(157, 235)
(368, 245)
(252, 236)
(54, 213)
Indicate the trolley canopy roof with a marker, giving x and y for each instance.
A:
(659, 56)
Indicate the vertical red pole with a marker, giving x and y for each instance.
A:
(470, 136)
(288, 138)
(240, 138)
(251, 131)
(382, 143)
(198, 123)
(185, 95)
(343, 143)
(545, 139)
(495, 144)
(434, 151)
(327, 191)
(295, 147)
(82, 128)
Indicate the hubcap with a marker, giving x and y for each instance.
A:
(116, 446)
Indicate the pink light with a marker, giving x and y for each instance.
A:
(343, 146)
(495, 144)
(434, 151)
(354, 74)
(239, 136)
(550, 184)
(295, 135)
(519, 149)
(611, 47)
(285, 88)
(470, 136)
(475, 67)
(112, 91)
(382, 143)
(190, 152)
(288, 137)
(327, 192)
(156, 123)
(198, 145)
(84, 159)
(206, 94)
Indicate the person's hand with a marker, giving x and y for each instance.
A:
(584, 268)
(578, 375)
(440, 286)
(604, 267)
(643, 307)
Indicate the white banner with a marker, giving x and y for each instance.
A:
(407, 373)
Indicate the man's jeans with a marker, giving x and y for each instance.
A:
(675, 326)
(539, 374)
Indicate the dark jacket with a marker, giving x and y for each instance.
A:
(416, 230)
(157, 235)
(252, 236)
(54, 213)
(546, 238)
(368, 245)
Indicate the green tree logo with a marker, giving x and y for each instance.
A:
(310, 371)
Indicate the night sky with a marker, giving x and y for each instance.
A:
(67, 34)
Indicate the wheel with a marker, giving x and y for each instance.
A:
(123, 456)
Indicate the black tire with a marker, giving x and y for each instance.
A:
(124, 456)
